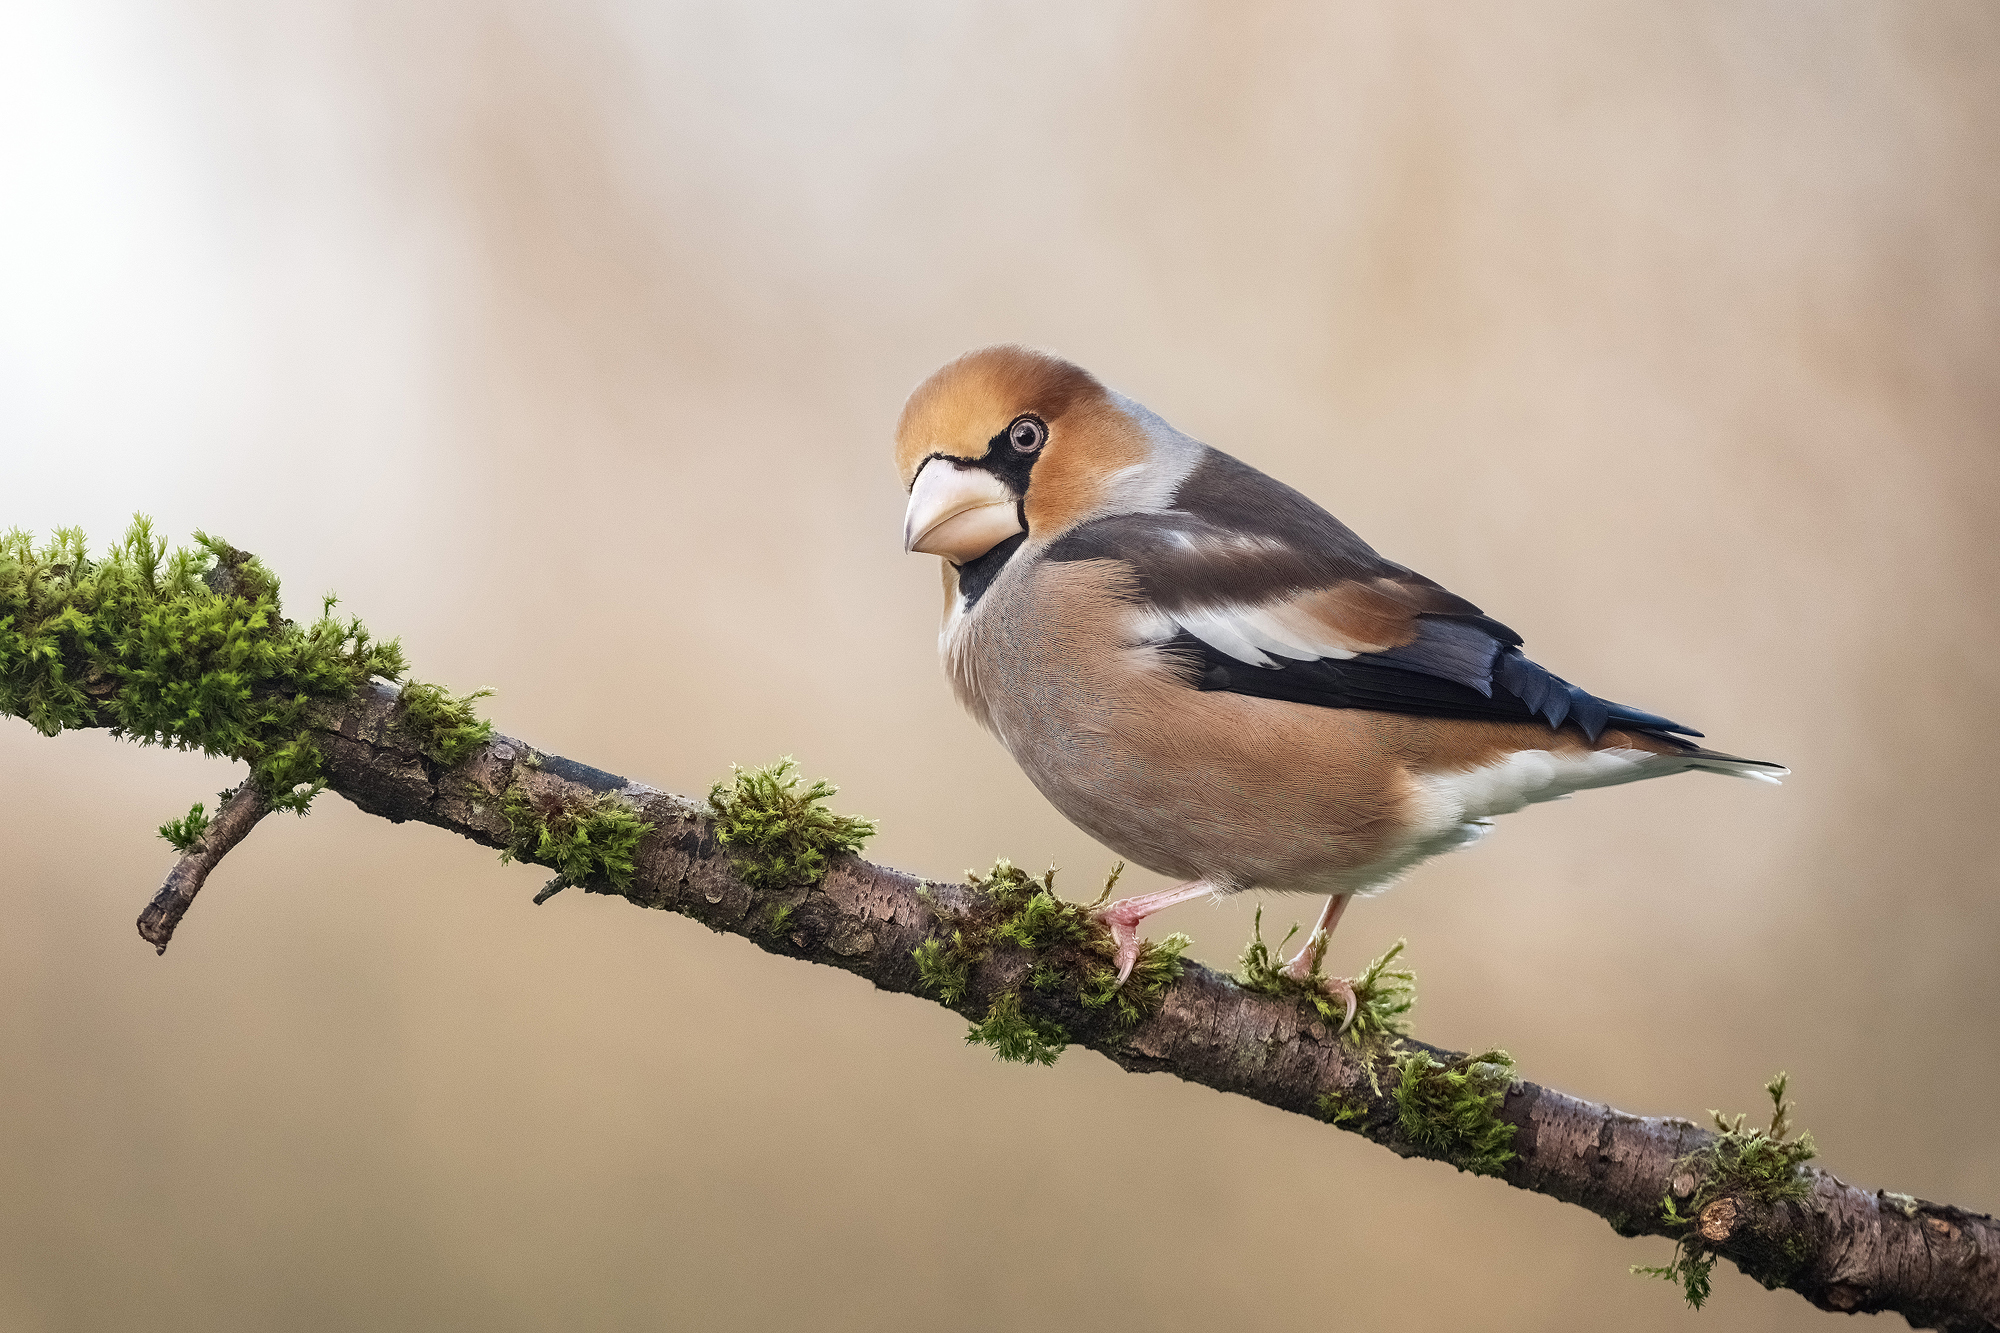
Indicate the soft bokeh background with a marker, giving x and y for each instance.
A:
(566, 340)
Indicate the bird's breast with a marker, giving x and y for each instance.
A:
(1058, 660)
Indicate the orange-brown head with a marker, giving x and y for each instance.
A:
(1008, 439)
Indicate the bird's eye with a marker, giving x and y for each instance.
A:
(1028, 434)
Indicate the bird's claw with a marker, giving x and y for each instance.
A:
(1344, 988)
(1126, 937)
(1304, 969)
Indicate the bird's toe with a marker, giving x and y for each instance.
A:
(1344, 988)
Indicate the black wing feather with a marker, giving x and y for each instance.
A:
(1369, 682)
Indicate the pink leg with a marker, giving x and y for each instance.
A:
(1125, 915)
(1307, 960)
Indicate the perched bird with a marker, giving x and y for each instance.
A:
(1213, 676)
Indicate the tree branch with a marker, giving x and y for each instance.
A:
(1842, 1248)
(232, 823)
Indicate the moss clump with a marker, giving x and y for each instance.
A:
(944, 966)
(1383, 995)
(445, 725)
(1017, 1036)
(782, 836)
(186, 831)
(188, 650)
(1072, 955)
(1763, 1165)
(1454, 1109)
(582, 837)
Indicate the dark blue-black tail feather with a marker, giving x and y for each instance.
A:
(1555, 700)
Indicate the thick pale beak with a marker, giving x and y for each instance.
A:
(960, 513)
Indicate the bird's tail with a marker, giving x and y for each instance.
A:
(1678, 754)
(1757, 770)
(1714, 761)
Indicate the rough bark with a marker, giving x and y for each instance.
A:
(1842, 1248)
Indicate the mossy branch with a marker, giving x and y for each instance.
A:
(1383, 995)
(1067, 954)
(782, 837)
(446, 725)
(1725, 1184)
(190, 650)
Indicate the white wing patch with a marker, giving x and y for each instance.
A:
(1259, 634)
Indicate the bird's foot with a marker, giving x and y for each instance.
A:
(1124, 937)
(1123, 918)
(1304, 969)
(1304, 965)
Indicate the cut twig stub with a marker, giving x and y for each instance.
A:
(1718, 1220)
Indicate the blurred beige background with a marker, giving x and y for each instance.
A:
(566, 340)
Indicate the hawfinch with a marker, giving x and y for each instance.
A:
(1210, 674)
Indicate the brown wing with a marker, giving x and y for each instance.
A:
(1265, 593)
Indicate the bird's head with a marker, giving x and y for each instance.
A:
(1009, 440)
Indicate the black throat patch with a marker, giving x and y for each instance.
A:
(976, 576)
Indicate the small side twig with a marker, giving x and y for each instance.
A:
(238, 815)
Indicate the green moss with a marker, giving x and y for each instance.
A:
(1336, 1109)
(1039, 920)
(188, 649)
(581, 837)
(1071, 952)
(781, 916)
(446, 725)
(1762, 1163)
(1691, 1265)
(1383, 995)
(944, 966)
(1017, 1036)
(1759, 1164)
(184, 832)
(1454, 1109)
(781, 836)
(1158, 967)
